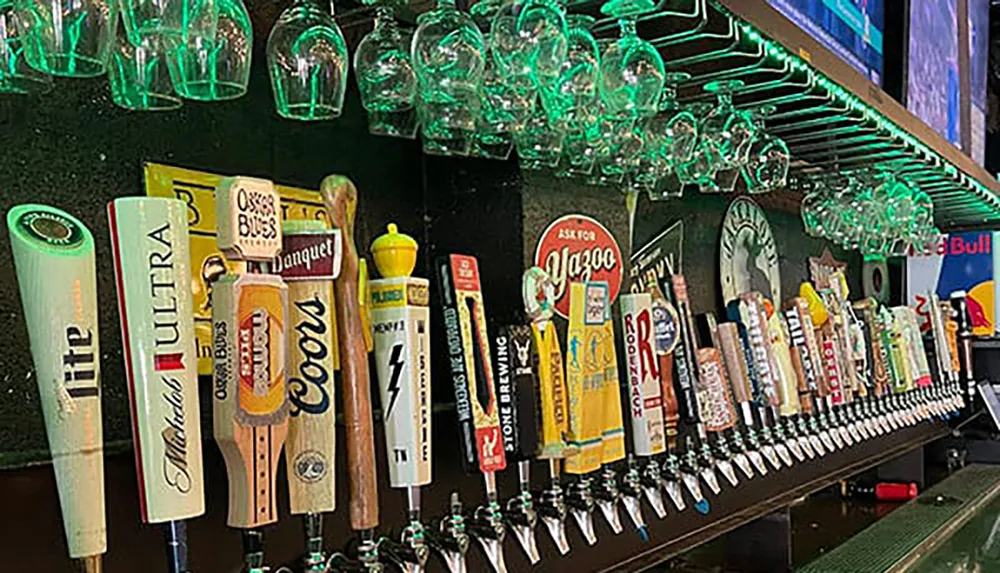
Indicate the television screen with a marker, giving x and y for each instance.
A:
(933, 85)
(979, 46)
(852, 29)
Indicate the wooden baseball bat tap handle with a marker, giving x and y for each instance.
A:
(341, 200)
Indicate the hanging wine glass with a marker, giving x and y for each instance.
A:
(540, 143)
(16, 76)
(617, 146)
(922, 228)
(768, 159)
(700, 168)
(139, 74)
(506, 106)
(670, 140)
(448, 52)
(570, 95)
(386, 78)
(307, 60)
(212, 60)
(165, 19)
(578, 151)
(728, 133)
(530, 39)
(70, 38)
(631, 74)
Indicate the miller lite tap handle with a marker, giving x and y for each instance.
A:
(341, 200)
(54, 258)
(149, 239)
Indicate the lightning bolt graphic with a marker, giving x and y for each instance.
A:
(396, 362)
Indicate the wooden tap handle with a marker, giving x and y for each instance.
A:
(735, 361)
(341, 200)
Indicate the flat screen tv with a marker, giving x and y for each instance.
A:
(979, 47)
(852, 29)
(933, 81)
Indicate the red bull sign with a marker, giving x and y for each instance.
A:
(961, 262)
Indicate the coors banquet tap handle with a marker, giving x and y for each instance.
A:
(309, 263)
(54, 257)
(341, 200)
(149, 239)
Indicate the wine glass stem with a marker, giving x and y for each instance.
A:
(627, 25)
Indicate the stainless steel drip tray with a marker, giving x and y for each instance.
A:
(926, 530)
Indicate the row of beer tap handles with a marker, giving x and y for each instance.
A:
(774, 385)
(771, 387)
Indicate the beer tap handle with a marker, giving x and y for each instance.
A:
(341, 199)
(250, 410)
(448, 537)
(56, 272)
(516, 396)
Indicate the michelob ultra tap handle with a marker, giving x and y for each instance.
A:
(309, 263)
(149, 239)
(341, 200)
(54, 257)
(401, 324)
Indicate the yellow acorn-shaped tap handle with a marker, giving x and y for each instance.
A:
(395, 253)
(816, 309)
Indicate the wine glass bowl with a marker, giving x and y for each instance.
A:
(308, 63)
(386, 78)
(212, 62)
(448, 54)
(632, 72)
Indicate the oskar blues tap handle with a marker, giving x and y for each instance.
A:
(249, 316)
(54, 257)
(149, 238)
